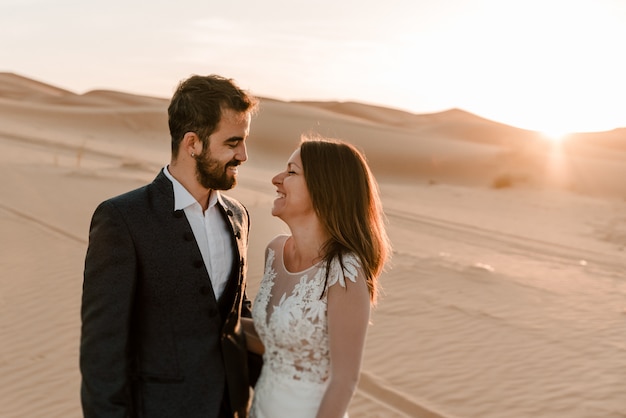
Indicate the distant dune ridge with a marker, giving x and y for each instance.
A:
(506, 296)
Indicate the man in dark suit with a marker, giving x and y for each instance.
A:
(165, 274)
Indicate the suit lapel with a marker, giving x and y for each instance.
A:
(235, 236)
(164, 185)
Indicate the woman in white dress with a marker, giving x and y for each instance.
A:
(312, 310)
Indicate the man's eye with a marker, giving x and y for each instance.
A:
(233, 143)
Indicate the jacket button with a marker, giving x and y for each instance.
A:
(205, 290)
(178, 213)
(188, 236)
(198, 263)
(229, 212)
(212, 312)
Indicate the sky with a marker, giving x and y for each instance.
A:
(555, 66)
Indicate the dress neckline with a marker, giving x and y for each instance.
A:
(282, 261)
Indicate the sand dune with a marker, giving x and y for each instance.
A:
(507, 292)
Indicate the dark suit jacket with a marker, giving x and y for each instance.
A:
(154, 341)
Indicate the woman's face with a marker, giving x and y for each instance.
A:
(293, 200)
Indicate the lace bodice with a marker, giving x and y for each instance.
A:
(290, 314)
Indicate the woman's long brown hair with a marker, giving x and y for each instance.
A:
(346, 199)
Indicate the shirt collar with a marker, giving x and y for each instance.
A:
(184, 199)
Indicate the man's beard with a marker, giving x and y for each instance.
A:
(211, 174)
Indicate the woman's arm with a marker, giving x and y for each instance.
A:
(253, 342)
(348, 317)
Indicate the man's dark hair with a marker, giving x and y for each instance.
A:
(197, 106)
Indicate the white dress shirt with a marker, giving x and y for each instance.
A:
(210, 230)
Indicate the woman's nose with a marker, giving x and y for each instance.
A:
(277, 179)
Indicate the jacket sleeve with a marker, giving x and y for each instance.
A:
(108, 288)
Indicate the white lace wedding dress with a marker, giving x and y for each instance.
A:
(290, 318)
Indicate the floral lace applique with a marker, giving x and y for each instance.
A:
(295, 329)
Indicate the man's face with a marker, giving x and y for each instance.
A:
(216, 166)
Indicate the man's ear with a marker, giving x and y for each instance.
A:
(191, 144)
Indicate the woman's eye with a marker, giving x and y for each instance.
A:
(291, 172)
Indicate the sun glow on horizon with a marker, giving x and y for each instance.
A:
(555, 136)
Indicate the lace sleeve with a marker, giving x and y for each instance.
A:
(350, 270)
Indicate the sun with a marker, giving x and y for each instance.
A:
(556, 136)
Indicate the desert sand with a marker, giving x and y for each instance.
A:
(506, 295)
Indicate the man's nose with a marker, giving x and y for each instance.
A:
(242, 152)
